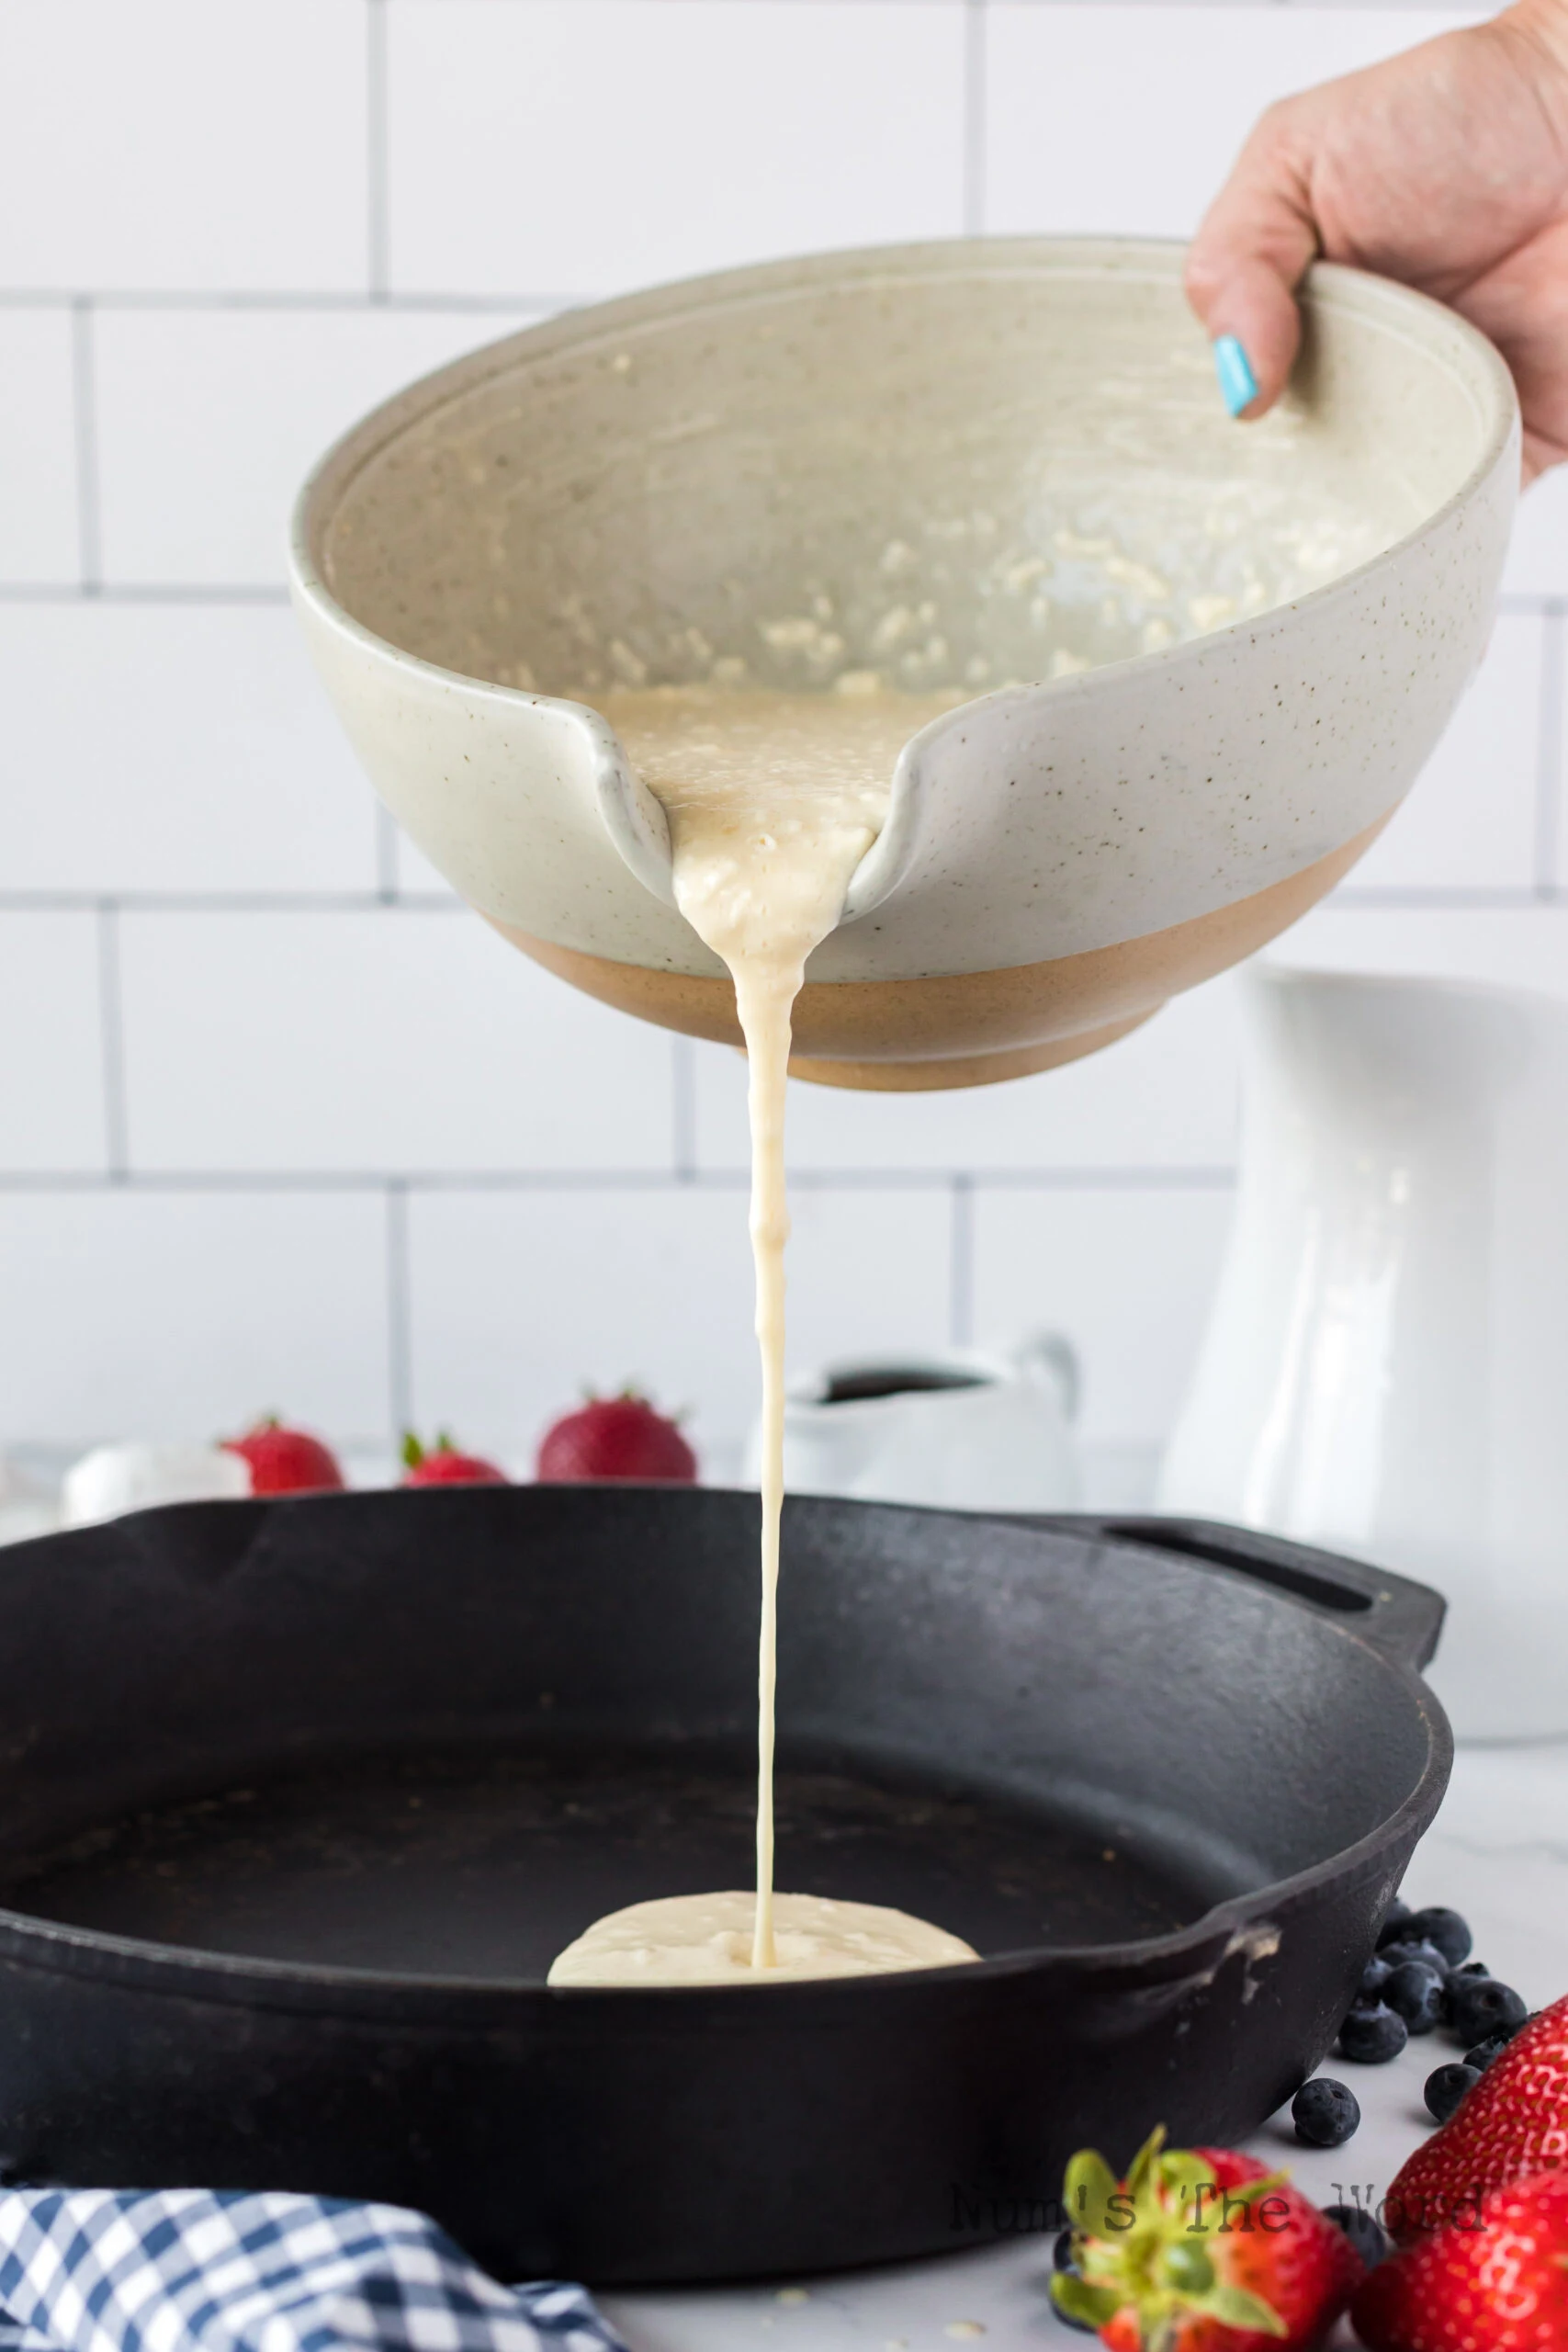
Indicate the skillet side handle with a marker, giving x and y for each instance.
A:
(1398, 1616)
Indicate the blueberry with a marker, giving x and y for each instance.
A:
(1415, 1990)
(1478, 2006)
(1446, 2087)
(1374, 1976)
(1364, 2231)
(1447, 1930)
(1396, 1919)
(1457, 1979)
(1481, 2055)
(1325, 2113)
(1410, 1948)
(1373, 2034)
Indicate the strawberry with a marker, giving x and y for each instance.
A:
(1513, 2122)
(614, 1437)
(443, 1466)
(285, 1462)
(1200, 2250)
(1494, 2279)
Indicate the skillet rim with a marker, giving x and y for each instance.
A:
(238, 1979)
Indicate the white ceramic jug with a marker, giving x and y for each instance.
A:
(1387, 1366)
(968, 1430)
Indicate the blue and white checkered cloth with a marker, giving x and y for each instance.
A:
(192, 2270)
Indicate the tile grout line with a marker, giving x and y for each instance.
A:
(83, 389)
(213, 297)
(328, 1182)
(1514, 601)
(961, 1262)
(393, 898)
(975, 59)
(1516, 604)
(1352, 898)
(148, 592)
(111, 1036)
(236, 902)
(1549, 753)
(378, 214)
(400, 1348)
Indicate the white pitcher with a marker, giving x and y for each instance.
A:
(1385, 1368)
(968, 1431)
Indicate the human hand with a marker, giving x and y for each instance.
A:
(1447, 168)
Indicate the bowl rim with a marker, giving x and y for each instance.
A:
(1400, 312)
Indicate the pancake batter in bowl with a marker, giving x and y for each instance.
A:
(772, 800)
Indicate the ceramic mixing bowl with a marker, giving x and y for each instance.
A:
(1197, 664)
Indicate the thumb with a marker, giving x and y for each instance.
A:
(1247, 259)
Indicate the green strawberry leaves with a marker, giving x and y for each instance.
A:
(1153, 2244)
(1095, 2307)
(1090, 2186)
(1233, 2307)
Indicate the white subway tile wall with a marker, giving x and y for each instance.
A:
(651, 1283)
(208, 421)
(588, 148)
(1122, 120)
(353, 1040)
(1124, 1272)
(178, 145)
(174, 1311)
(280, 1124)
(174, 749)
(1479, 812)
(52, 1107)
(38, 516)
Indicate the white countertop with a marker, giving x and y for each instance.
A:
(1498, 1852)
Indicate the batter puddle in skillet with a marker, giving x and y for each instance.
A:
(462, 1866)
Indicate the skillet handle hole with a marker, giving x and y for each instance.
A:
(1263, 1566)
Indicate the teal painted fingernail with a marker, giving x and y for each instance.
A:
(1238, 385)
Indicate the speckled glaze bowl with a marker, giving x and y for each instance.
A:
(1205, 660)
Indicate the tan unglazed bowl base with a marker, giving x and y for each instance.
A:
(964, 1070)
(968, 1028)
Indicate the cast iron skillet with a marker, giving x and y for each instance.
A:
(297, 1800)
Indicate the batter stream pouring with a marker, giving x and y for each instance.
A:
(772, 800)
